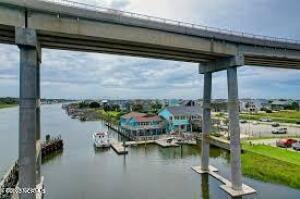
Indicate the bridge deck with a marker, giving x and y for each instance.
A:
(68, 25)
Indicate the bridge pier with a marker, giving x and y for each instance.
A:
(29, 113)
(235, 186)
(206, 122)
(234, 129)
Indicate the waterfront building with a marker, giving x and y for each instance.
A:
(188, 103)
(141, 124)
(253, 105)
(173, 102)
(181, 118)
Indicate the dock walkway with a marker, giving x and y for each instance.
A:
(119, 148)
(163, 143)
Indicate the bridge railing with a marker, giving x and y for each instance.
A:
(90, 7)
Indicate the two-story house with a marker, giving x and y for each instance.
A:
(180, 118)
(141, 124)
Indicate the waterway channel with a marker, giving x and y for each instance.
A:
(147, 172)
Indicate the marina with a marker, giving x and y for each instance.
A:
(77, 169)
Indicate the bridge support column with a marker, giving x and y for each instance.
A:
(206, 121)
(29, 131)
(235, 188)
(38, 122)
(234, 129)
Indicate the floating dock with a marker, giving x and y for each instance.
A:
(135, 143)
(119, 148)
(163, 143)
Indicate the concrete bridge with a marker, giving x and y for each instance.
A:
(63, 24)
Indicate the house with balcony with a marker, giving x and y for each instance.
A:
(181, 118)
(141, 124)
(253, 105)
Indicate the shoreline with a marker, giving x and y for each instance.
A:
(4, 106)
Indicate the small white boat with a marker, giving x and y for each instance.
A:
(101, 140)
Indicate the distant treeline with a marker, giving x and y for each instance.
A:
(9, 100)
(14, 100)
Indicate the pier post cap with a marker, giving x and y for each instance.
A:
(26, 37)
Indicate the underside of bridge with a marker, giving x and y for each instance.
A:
(33, 25)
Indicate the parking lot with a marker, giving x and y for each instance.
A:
(265, 129)
(271, 142)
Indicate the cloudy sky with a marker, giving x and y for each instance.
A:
(68, 74)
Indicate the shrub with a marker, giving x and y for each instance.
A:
(94, 105)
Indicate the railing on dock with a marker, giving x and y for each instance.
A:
(118, 129)
(9, 180)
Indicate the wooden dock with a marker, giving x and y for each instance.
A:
(135, 143)
(163, 143)
(218, 142)
(119, 148)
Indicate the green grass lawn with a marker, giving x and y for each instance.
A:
(275, 152)
(4, 105)
(111, 116)
(268, 169)
(282, 116)
(271, 164)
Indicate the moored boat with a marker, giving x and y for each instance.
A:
(101, 140)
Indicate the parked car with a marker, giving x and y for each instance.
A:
(266, 120)
(296, 146)
(243, 121)
(280, 131)
(275, 124)
(285, 142)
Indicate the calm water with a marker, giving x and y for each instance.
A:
(145, 173)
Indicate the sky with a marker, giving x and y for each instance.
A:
(67, 74)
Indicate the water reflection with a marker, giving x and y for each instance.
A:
(54, 156)
(205, 186)
(219, 153)
(100, 150)
(180, 152)
(146, 172)
(124, 162)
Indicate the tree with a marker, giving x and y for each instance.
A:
(106, 108)
(137, 107)
(156, 106)
(295, 106)
(247, 105)
(94, 105)
(115, 107)
(83, 105)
